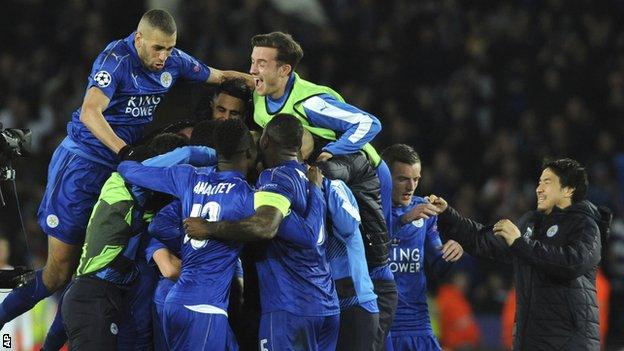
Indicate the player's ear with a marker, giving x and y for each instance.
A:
(285, 69)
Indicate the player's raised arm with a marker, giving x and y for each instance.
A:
(91, 114)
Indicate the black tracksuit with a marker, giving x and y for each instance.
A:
(555, 262)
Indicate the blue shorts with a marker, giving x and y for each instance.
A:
(194, 331)
(284, 331)
(160, 293)
(415, 342)
(73, 187)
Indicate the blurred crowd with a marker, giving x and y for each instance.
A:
(484, 91)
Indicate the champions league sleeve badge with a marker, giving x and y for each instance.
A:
(103, 79)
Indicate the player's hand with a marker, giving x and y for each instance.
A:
(452, 251)
(315, 176)
(197, 228)
(438, 202)
(508, 230)
(135, 153)
(424, 210)
(324, 156)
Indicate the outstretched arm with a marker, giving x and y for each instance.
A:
(263, 225)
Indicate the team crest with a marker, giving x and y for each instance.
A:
(52, 221)
(418, 223)
(103, 79)
(552, 231)
(166, 79)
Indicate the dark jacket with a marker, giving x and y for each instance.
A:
(555, 262)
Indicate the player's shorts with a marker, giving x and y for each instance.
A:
(358, 328)
(160, 293)
(189, 330)
(415, 342)
(136, 332)
(283, 331)
(92, 311)
(73, 187)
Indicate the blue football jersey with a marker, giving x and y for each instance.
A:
(294, 275)
(134, 92)
(412, 246)
(207, 193)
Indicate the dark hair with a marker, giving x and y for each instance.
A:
(236, 87)
(231, 137)
(202, 133)
(400, 153)
(571, 174)
(286, 131)
(166, 142)
(161, 20)
(288, 50)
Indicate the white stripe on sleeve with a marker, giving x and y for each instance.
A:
(321, 107)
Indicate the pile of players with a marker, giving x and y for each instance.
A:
(294, 235)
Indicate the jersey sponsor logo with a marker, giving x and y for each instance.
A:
(52, 221)
(114, 329)
(405, 260)
(418, 223)
(552, 231)
(103, 79)
(166, 79)
(141, 106)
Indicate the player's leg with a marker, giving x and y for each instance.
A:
(73, 186)
(92, 311)
(61, 263)
(387, 300)
(136, 333)
(358, 328)
(327, 336)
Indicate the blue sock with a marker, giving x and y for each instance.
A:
(23, 298)
(57, 336)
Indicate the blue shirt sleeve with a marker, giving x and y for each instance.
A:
(166, 226)
(153, 246)
(195, 155)
(343, 209)
(276, 181)
(307, 231)
(108, 70)
(192, 69)
(354, 127)
(174, 180)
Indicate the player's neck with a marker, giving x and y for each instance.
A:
(229, 166)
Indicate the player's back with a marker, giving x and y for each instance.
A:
(295, 275)
(208, 265)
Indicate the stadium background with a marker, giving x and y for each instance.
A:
(484, 90)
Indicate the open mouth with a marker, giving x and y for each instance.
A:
(259, 83)
(406, 196)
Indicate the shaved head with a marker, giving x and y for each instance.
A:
(157, 19)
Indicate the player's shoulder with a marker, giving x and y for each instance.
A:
(116, 51)
(180, 57)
